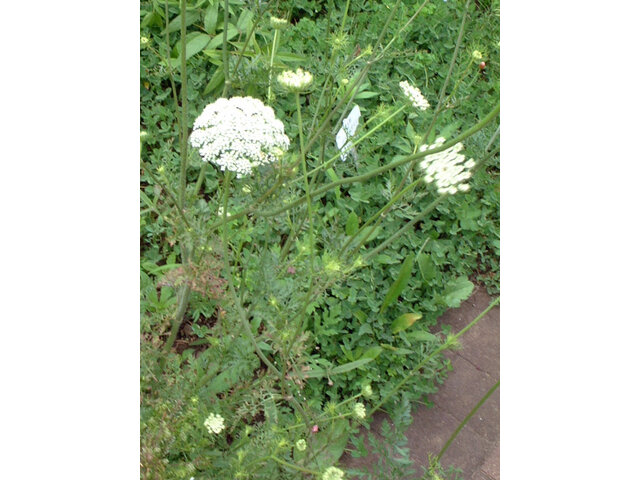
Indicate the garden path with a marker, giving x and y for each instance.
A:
(476, 368)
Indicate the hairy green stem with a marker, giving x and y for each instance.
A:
(306, 181)
(246, 42)
(295, 467)
(448, 77)
(168, 60)
(374, 216)
(450, 341)
(167, 190)
(183, 91)
(466, 419)
(355, 143)
(225, 49)
(392, 165)
(200, 179)
(183, 303)
(274, 47)
(239, 307)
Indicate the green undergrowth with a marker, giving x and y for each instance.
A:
(355, 329)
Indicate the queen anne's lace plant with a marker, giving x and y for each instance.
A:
(214, 423)
(448, 169)
(238, 134)
(297, 81)
(347, 131)
(333, 473)
(414, 95)
(301, 444)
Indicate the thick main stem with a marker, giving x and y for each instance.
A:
(183, 91)
(225, 49)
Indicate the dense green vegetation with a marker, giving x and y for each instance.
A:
(277, 315)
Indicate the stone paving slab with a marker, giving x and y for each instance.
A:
(476, 368)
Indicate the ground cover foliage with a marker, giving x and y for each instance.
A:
(294, 310)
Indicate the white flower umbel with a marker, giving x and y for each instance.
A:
(448, 169)
(238, 134)
(214, 423)
(297, 81)
(414, 95)
(333, 473)
(347, 131)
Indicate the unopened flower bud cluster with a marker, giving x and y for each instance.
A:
(448, 169)
(359, 410)
(333, 473)
(278, 23)
(295, 81)
(238, 134)
(414, 95)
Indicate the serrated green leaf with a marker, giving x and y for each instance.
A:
(404, 321)
(352, 224)
(400, 282)
(456, 291)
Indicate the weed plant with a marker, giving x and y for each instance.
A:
(286, 299)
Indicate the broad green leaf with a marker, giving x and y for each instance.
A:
(244, 23)
(191, 18)
(427, 267)
(216, 80)
(404, 321)
(352, 224)
(211, 19)
(457, 291)
(232, 32)
(197, 43)
(400, 282)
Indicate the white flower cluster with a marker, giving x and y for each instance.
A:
(238, 134)
(295, 81)
(333, 473)
(359, 410)
(301, 444)
(414, 95)
(214, 423)
(447, 168)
